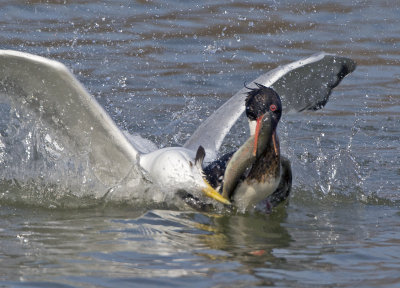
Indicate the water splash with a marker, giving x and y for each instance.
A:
(40, 168)
(325, 165)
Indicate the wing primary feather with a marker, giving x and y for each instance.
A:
(50, 91)
(200, 155)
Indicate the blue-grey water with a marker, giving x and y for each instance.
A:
(161, 67)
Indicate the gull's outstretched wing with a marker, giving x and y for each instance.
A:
(304, 84)
(48, 89)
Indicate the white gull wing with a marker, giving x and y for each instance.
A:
(48, 89)
(303, 84)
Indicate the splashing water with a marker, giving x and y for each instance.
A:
(40, 168)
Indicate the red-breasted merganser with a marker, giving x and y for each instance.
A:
(256, 170)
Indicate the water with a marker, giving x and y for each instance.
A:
(160, 68)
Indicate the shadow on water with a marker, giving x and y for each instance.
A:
(247, 239)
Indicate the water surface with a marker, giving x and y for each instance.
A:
(161, 67)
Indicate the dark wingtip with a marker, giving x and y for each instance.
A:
(348, 67)
(308, 87)
(200, 155)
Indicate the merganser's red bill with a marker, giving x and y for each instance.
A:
(258, 127)
(275, 142)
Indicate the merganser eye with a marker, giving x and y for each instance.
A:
(272, 107)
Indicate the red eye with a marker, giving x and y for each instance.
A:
(272, 107)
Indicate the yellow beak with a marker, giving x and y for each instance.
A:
(210, 192)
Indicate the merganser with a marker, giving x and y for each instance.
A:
(256, 169)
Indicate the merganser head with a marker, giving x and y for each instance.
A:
(259, 102)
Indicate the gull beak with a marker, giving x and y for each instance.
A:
(212, 193)
(258, 127)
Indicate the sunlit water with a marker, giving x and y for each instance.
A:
(160, 68)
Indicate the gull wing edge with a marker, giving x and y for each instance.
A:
(49, 90)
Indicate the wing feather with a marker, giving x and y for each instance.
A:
(48, 89)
